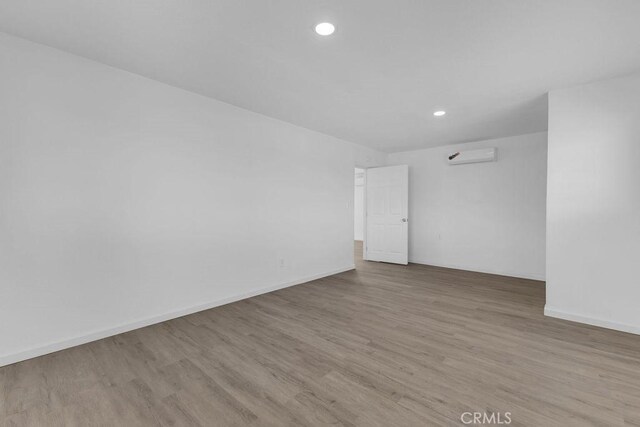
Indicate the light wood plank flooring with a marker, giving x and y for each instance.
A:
(384, 345)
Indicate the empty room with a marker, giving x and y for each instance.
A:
(308, 213)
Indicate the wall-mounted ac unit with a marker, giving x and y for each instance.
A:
(473, 156)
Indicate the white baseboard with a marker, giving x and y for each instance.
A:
(497, 273)
(594, 321)
(104, 333)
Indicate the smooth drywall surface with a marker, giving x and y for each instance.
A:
(125, 201)
(593, 205)
(487, 217)
(358, 205)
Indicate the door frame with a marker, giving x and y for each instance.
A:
(365, 256)
(364, 209)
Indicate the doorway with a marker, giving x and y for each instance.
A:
(358, 214)
(384, 198)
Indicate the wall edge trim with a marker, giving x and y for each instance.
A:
(589, 320)
(45, 349)
(532, 276)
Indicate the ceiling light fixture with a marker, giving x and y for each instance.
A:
(325, 29)
(439, 113)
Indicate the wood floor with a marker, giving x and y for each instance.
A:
(384, 345)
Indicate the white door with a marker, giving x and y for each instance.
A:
(387, 225)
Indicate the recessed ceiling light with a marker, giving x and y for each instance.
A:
(439, 113)
(325, 29)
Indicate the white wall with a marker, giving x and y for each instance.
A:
(358, 205)
(124, 201)
(487, 217)
(593, 205)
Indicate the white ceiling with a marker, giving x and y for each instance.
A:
(378, 79)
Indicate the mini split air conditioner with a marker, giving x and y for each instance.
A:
(473, 156)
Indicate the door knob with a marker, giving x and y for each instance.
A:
(404, 219)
